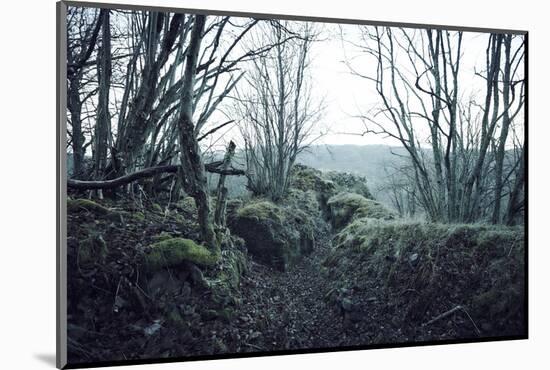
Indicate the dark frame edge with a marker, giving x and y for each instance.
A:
(290, 17)
(526, 185)
(61, 188)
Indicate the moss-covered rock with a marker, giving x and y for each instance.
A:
(271, 232)
(305, 178)
(261, 210)
(79, 205)
(173, 251)
(348, 182)
(305, 201)
(232, 266)
(346, 207)
(309, 179)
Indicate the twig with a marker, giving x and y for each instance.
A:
(254, 346)
(115, 307)
(443, 315)
(450, 312)
(472, 321)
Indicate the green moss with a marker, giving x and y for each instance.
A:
(233, 266)
(231, 208)
(179, 219)
(77, 205)
(174, 251)
(261, 210)
(309, 179)
(305, 201)
(348, 182)
(271, 232)
(346, 207)
(157, 208)
(305, 178)
(139, 216)
(187, 204)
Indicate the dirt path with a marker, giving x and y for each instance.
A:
(288, 310)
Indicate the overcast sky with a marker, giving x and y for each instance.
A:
(346, 95)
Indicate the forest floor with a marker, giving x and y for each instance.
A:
(290, 306)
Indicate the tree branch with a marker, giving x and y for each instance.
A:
(213, 167)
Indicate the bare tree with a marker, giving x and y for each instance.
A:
(83, 27)
(422, 107)
(276, 108)
(103, 123)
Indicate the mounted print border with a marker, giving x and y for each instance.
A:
(235, 184)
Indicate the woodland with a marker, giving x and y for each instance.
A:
(207, 215)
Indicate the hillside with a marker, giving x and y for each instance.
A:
(327, 256)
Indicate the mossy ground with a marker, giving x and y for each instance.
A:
(147, 304)
(421, 270)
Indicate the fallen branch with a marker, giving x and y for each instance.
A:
(450, 312)
(147, 172)
(443, 315)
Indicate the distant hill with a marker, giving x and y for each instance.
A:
(370, 161)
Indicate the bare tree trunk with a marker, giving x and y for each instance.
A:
(487, 127)
(74, 104)
(219, 214)
(515, 204)
(193, 175)
(75, 70)
(501, 150)
(103, 123)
